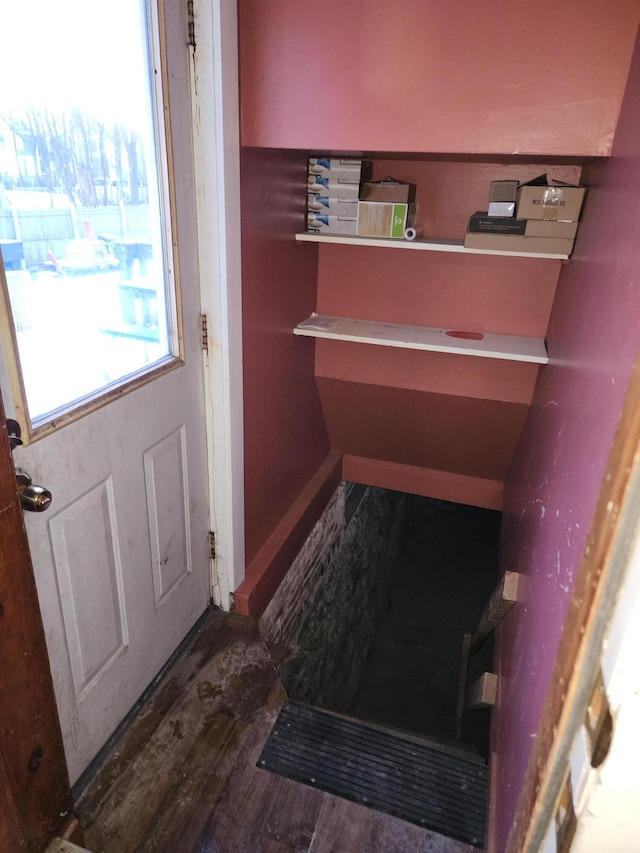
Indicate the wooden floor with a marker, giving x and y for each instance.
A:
(182, 776)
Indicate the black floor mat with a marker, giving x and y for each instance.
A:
(397, 775)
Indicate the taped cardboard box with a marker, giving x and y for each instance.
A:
(383, 219)
(550, 228)
(540, 199)
(519, 243)
(388, 190)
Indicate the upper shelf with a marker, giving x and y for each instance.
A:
(507, 347)
(433, 244)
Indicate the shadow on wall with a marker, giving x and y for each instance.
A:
(321, 623)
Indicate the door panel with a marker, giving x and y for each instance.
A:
(121, 557)
(91, 591)
(166, 480)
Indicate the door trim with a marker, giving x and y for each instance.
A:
(214, 92)
(35, 795)
(603, 568)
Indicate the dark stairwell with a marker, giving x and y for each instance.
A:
(445, 573)
(373, 627)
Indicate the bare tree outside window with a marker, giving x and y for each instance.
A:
(82, 226)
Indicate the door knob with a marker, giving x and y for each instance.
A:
(14, 432)
(33, 498)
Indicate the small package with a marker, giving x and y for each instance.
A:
(383, 219)
(502, 198)
(541, 199)
(388, 190)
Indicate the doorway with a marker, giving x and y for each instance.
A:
(373, 628)
(445, 572)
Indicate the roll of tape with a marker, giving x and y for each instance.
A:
(413, 233)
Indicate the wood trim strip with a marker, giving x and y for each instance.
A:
(462, 684)
(268, 568)
(578, 659)
(502, 600)
(33, 770)
(483, 692)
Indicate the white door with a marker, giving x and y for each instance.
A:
(121, 556)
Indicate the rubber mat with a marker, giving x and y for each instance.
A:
(377, 768)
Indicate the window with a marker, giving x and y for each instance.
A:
(84, 202)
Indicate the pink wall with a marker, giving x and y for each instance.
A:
(436, 75)
(436, 412)
(552, 489)
(285, 438)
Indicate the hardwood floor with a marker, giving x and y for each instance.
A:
(182, 776)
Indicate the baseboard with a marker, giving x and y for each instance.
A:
(266, 571)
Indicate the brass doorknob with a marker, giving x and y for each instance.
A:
(32, 498)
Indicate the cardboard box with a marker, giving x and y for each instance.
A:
(358, 170)
(502, 198)
(324, 224)
(540, 200)
(333, 188)
(389, 190)
(517, 243)
(332, 205)
(382, 219)
(550, 228)
(482, 223)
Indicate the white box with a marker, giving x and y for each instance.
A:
(502, 198)
(336, 189)
(332, 168)
(332, 206)
(320, 223)
(502, 208)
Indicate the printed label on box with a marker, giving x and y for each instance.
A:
(381, 219)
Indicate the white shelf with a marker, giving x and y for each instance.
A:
(507, 347)
(433, 244)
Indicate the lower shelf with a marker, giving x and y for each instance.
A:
(460, 342)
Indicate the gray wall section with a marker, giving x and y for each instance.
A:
(322, 620)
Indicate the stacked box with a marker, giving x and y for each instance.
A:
(556, 202)
(545, 221)
(519, 243)
(502, 198)
(332, 205)
(385, 208)
(333, 187)
(323, 223)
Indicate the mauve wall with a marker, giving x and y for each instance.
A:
(550, 497)
(498, 76)
(285, 438)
